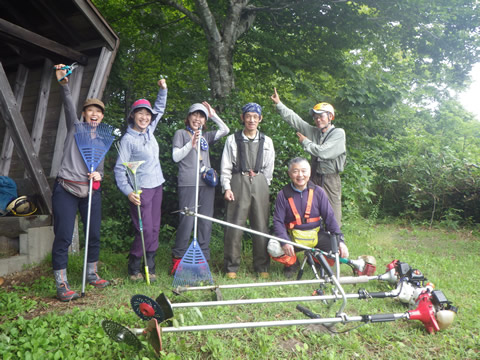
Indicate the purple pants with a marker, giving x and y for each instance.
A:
(151, 210)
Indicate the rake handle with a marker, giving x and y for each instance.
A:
(197, 185)
(87, 234)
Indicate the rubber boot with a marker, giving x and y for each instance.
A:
(64, 293)
(93, 278)
(175, 263)
(151, 265)
(134, 268)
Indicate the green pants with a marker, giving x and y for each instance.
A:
(252, 203)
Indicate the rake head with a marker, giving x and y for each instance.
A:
(193, 268)
(93, 142)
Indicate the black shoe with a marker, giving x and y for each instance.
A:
(290, 271)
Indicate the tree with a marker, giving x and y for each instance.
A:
(439, 36)
(381, 63)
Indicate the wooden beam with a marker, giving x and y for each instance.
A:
(98, 22)
(17, 34)
(62, 27)
(7, 148)
(42, 102)
(23, 143)
(99, 80)
(75, 83)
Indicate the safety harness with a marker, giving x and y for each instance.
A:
(289, 193)
(241, 165)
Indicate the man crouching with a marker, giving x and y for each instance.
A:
(303, 215)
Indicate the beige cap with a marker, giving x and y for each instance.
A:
(95, 102)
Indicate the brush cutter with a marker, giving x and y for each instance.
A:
(129, 336)
(365, 265)
(432, 309)
(93, 142)
(162, 309)
(396, 272)
(193, 269)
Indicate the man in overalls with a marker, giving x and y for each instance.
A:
(246, 172)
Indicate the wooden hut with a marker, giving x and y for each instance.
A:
(35, 35)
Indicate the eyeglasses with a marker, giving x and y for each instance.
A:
(321, 116)
(250, 116)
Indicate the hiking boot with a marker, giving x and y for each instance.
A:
(93, 278)
(64, 293)
(152, 277)
(175, 263)
(134, 265)
(137, 277)
(290, 271)
(231, 275)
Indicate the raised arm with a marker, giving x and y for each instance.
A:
(160, 103)
(222, 127)
(68, 105)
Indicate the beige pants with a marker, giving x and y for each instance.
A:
(332, 185)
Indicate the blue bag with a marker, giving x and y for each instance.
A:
(210, 176)
(8, 192)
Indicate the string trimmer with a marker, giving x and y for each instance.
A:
(360, 264)
(433, 310)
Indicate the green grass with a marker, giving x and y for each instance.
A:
(73, 331)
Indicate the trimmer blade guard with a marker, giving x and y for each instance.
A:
(120, 333)
(147, 308)
(165, 305)
(154, 336)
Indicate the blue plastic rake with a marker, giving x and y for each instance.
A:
(193, 269)
(93, 142)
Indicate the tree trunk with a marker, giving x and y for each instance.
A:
(220, 69)
(221, 39)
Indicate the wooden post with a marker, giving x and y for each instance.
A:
(7, 148)
(22, 141)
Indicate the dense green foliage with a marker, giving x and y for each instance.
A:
(388, 68)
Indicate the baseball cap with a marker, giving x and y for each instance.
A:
(96, 102)
(198, 107)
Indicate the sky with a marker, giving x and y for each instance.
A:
(470, 99)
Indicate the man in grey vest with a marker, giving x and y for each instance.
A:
(246, 172)
(325, 143)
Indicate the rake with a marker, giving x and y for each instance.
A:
(132, 167)
(193, 269)
(93, 142)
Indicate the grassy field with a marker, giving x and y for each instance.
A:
(33, 325)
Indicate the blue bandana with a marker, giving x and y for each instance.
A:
(252, 107)
(203, 142)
